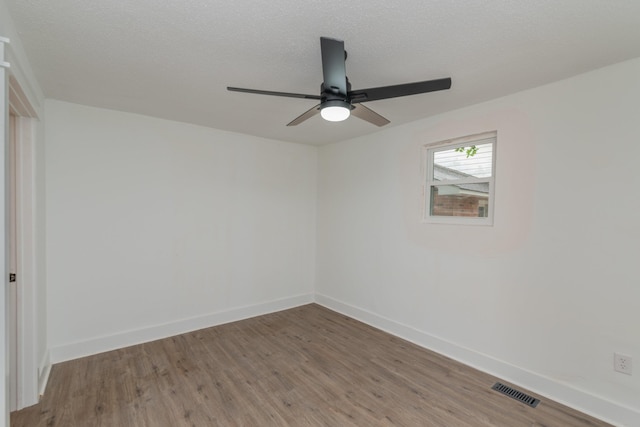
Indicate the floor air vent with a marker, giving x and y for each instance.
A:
(515, 394)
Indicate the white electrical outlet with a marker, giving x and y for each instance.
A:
(622, 363)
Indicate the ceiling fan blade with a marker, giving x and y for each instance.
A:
(304, 116)
(268, 92)
(333, 68)
(368, 115)
(386, 92)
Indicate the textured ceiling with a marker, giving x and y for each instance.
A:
(173, 58)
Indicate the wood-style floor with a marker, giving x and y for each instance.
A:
(307, 366)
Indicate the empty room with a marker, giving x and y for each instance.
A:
(338, 213)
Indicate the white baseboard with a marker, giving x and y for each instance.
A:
(580, 400)
(128, 338)
(43, 373)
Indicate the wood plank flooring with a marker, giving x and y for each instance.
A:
(307, 366)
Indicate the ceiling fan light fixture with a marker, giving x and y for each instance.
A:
(335, 111)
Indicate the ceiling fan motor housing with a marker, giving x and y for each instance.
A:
(333, 94)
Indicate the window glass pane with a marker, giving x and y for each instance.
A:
(464, 162)
(469, 200)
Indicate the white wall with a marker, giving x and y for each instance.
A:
(157, 227)
(546, 295)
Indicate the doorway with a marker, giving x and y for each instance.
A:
(20, 216)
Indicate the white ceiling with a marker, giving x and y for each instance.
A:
(174, 58)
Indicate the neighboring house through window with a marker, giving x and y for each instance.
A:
(460, 179)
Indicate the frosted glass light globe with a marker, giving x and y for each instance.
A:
(336, 113)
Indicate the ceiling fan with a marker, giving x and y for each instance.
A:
(337, 100)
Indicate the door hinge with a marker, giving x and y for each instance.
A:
(12, 277)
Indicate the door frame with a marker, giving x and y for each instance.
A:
(27, 375)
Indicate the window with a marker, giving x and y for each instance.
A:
(460, 179)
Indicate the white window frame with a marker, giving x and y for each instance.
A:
(428, 181)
